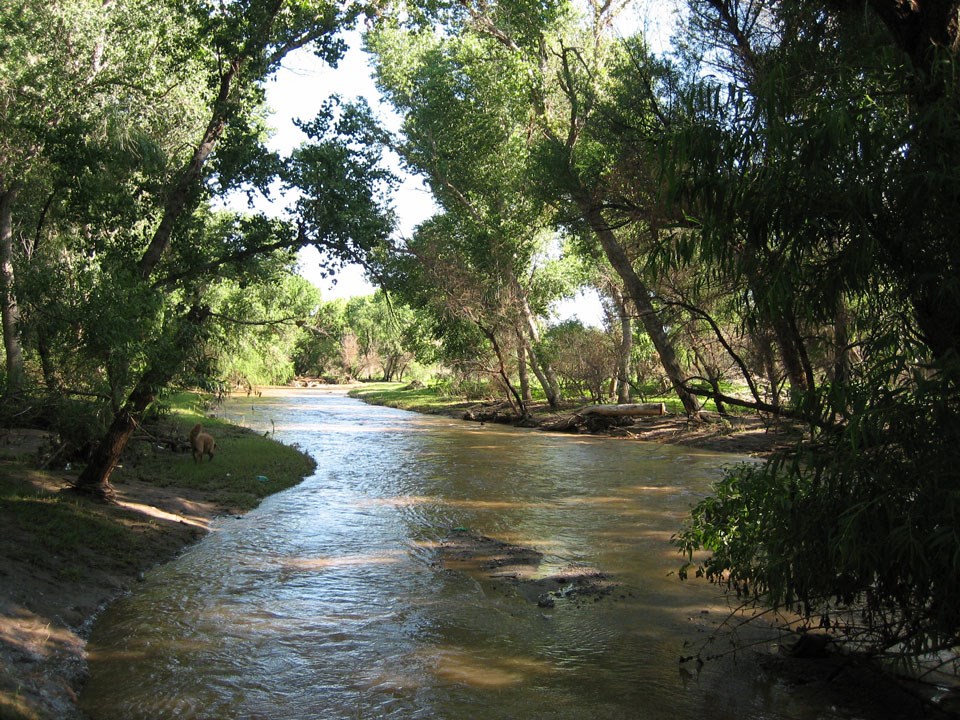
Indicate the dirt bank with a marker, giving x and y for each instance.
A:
(50, 595)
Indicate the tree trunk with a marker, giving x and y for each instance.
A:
(640, 295)
(10, 312)
(625, 351)
(632, 410)
(51, 377)
(189, 177)
(764, 345)
(542, 369)
(513, 396)
(525, 392)
(790, 355)
(95, 478)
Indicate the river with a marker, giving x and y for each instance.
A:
(328, 601)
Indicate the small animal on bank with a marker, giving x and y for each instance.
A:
(202, 443)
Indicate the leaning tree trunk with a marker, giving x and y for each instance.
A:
(640, 295)
(16, 373)
(95, 478)
(513, 395)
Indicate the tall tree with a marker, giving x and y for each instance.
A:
(465, 130)
(247, 42)
(826, 172)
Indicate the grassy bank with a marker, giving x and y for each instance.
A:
(404, 397)
(247, 466)
(432, 399)
(63, 556)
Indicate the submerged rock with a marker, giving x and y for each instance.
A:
(519, 568)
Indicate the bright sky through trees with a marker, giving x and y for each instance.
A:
(304, 82)
(297, 92)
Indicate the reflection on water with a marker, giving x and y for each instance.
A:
(327, 602)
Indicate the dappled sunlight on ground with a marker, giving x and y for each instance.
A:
(154, 512)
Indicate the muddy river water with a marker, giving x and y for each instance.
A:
(329, 601)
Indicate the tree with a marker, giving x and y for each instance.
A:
(465, 130)
(560, 67)
(445, 270)
(847, 529)
(248, 40)
(586, 359)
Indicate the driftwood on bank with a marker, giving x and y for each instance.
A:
(500, 413)
(626, 410)
(598, 417)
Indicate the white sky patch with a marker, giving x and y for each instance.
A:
(297, 92)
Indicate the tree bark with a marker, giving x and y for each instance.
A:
(10, 312)
(790, 355)
(625, 351)
(513, 396)
(542, 369)
(640, 295)
(95, 478)
(630, 410)
(525, 392)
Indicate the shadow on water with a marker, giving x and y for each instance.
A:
(329, 601)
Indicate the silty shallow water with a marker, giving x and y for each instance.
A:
(327, 601)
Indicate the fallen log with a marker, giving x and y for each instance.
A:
(593, 418)
(627, 410)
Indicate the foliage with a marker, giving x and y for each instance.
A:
(254, 331)
(855, 530)
(584, 357)
(362, 336)
(858, 532)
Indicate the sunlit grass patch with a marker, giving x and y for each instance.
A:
(405, 397)
(246, 466)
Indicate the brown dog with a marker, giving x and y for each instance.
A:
(202, 443)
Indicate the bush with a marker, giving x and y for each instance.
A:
(857, 532)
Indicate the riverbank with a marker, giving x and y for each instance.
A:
(63, 557)
(746, 434)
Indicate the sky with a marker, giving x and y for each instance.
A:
(304, 82)
(296, 92)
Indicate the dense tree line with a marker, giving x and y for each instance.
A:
(769, 213)
(123, 125)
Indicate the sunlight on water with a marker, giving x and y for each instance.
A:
(332, 599)
(465, 666)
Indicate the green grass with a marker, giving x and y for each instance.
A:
(58, 522)
(246, 468)
(425, 399)
(434, 400)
